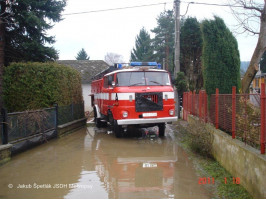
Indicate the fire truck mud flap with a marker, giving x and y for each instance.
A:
(146, 121)
(97, 111)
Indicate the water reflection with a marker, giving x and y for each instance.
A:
(42, 169)
(93, 164)
(137, 175)
(140, 167)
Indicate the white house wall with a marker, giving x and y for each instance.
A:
(86, 90)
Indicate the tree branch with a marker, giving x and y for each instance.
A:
(253, 8)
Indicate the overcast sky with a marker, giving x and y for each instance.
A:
(115, 31)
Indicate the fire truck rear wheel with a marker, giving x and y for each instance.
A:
(117, 129)
(161, 130)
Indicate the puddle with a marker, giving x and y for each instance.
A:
(93, 164)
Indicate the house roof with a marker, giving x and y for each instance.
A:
(87, 68)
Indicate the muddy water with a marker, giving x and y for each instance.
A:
(93, 164)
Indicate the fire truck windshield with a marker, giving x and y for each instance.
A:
(142, 78)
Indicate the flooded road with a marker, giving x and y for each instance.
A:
(93, 164)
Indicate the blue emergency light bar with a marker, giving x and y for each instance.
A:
(138, 64)
(143, 64)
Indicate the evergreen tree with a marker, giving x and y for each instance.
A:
(163, 41)
(263, 63)
(181, 83)
(221, 62)
(143, 48)
(190, 52)
(24, 26)
(82, 55)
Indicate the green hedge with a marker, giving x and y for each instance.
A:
(35, 85)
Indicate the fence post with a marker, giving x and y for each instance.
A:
(184, 104)
(72, 111)
(196, 100)
(224, 112)
(234, 112)
(200, 104)
(184, 96)
(56, 118)
(262, 119)
(187, 101)
(83, 108)
(217, 108)
(205, 107)
(190, 102)
(187, 105)
(4, 126)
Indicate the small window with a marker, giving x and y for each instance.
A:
(110, 80)
(105, 82)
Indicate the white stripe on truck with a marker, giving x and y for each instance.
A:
(126, 96)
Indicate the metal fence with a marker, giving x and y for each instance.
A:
(70, 113)
(19, 125)
(240, 115)
(24, 124)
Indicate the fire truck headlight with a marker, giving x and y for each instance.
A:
(171, 112)
(125, 114)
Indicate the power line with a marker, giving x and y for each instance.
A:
(155, 4)
(212, 4)
(112, 9)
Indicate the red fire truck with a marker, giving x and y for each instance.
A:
(138, 94)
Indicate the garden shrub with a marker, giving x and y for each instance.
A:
(200, 139)
(34, 85)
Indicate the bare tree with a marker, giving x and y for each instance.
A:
(248, 13)
(112, 58)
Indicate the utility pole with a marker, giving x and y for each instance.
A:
(2, 48)
(177, 51)
(177, 37)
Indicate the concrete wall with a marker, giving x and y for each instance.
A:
(5, 153)
(86, 90)
(239, 159)
(71, 126)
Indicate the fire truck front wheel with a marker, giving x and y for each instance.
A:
(117, 129)
(161, 129)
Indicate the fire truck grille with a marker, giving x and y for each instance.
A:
(149, 101)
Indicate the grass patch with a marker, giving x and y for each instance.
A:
(225, 184)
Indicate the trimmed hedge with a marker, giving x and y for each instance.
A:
(29, 86)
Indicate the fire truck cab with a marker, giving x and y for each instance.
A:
(138, 94)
